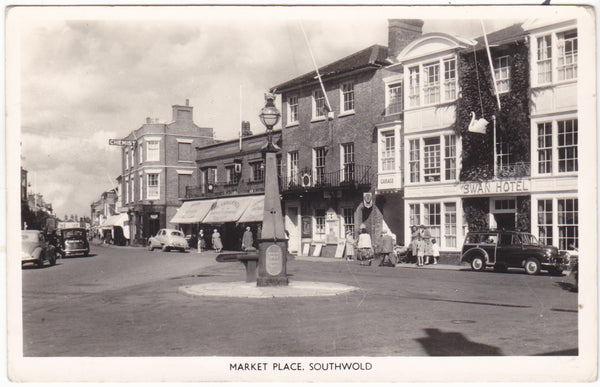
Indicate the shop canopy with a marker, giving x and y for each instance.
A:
(193, 211)
(255, 210)
(230, 209)
(120, 220)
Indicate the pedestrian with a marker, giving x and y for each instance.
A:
(420, 250)
(387, 249)
(426, 236)
(365, 247)
(436, 251)
(412, 246)
(201, 241)
(216, 241)
(349, 246)
(247, 240)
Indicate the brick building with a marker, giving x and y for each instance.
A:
(158, 168)
(329, 158)
(229, 193)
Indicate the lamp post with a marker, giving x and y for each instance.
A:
(272, 243)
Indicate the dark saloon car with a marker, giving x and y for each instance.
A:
(504, 249)
(74, 241)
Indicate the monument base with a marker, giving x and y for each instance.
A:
(272, 281)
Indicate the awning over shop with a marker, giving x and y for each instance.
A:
(255, 210)
(193, 211)
(119, 220)
(228, 209)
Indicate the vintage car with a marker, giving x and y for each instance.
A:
(73, 241)
(36, 249)
(167, 239)
(504, 249)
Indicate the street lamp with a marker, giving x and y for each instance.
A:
(272, 243)
(269, 116)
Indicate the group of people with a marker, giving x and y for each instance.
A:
(364, 245)
(422, 246)
(217, 243)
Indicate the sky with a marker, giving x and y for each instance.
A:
(89, 77)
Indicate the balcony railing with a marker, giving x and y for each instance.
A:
(350, 177)
(224, 189)
(486, 172)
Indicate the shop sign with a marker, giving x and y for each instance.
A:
(119, 142)
(472, 188)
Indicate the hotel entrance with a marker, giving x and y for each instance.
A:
(504, 213)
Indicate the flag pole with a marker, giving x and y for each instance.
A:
(495, 150)
(329, 109)
(241, 117)
(487, 48)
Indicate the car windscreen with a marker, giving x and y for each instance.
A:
(529, 239)
(73, 234)
(177, 233)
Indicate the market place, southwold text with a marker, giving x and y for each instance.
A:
(331, 366)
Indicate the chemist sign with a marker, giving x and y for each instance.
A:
(494, 187)
(119, 142)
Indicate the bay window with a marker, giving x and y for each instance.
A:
(152, 150)
(544, 59)
(414, 86)
(388, 151)
(450, 157)
(449, 79)
(568, 224)
(431, 83)
(414, 161)
(567, 55)
(431, 159)
(567, 146)
(153, 188)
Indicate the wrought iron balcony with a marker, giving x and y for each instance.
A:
(486, 172)
(520, 169)
(357, 176)
(224, 189)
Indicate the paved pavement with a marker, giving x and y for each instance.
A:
(127, 302)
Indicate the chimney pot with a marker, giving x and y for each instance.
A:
(187, 102)
(148, 120)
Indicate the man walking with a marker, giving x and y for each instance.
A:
(247, 240)
(387, 249)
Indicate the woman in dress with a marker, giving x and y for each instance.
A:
(216, 241)
(365, 247)
(349, 246)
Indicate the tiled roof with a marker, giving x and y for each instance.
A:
(371, 56)
(510, 33)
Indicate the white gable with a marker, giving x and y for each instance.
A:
(430, 44)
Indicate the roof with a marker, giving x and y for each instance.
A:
(373, 56)
(509, 34)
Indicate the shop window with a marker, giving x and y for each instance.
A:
(348, 221)
(450, 224)
(545, 221)
(320, 221)
(568, 224)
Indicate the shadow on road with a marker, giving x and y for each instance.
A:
(567, 286)
(439, 343)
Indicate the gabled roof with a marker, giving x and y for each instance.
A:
(509, 34)
(373, 56)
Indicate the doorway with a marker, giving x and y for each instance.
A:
(291, 225)
(505, 221)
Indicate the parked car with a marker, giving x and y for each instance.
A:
(167, 239)
(504, 249)
(74, 241)
(36, 249)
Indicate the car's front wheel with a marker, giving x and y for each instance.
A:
(532, 266)
(478, 263)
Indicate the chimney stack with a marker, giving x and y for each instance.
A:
(246, 129)
(148, 120)
(183, 113)
(401, 32)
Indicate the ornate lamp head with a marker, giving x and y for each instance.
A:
(269, 115)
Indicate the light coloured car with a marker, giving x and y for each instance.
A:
(36, 249)
(167, 239)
